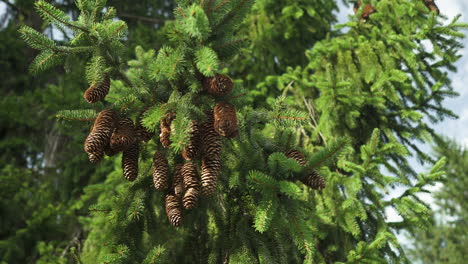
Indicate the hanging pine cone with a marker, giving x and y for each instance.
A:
(190, 198)
(173, 210)
(190, 174)
(225, 119)
(211, 141)
(124, 135)
(110, 152)
(432, 6)
(165, 125)
(99, 137)
(366, 12)
(219, 85)
(314, 180)
(97, 92)
(178, 181)
(95, 157)
(297, 155)
(130, 162)
(192, 150)
(160, 171)
(209, 175)
(142, 133)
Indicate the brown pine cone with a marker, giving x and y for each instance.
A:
(366, 12)
(209, 175)
(160, 171)
(95, 157)
(165, 125)
(211, 141)
(190, 176)
(124, 135)
(101, 132)
(225, 120)
(192, 150)
(173, 210)
(297, 155)
(130, 162)
(314, 180)
(178, 182)
(98, 91)
(219, 85)
(142, 133)
(190, 198)
(432, 6)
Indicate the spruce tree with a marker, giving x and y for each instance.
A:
(299, 180)
(446, 239)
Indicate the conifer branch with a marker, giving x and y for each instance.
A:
(143, 18)
(290, 117)
(220, 5)
(230, 15)
(230, 43)
(41, 8)
(236, 96)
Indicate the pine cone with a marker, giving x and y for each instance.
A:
(225, 120)
(367, 11)
(190, 198)
(209, 175)
(164, 137)
(432, 6)
(192, 150)
(124, 135)
(219, 85)
(297, 155)
(160, 171)
(98, 91)
(142, 133)
(178, 182)
(110, 152)
(314, 180)
(211, 141)
(173, 210)
(99, 136)
(130, 162)
(95, 157)
(190, 174)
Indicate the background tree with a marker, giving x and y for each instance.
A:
(445, 240)
(349, 84)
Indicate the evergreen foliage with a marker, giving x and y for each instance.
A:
(445, 240)
(352, 106)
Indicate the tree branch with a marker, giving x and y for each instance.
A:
(143, 18)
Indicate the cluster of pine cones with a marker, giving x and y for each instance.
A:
(314, 180)
(369, 9)
(204, 147)
(111, 135)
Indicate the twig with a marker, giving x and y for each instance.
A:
(180, 12)
(143, 18)
(230, 15)
(230, 43)
(290, 117)
(63, 21)
(74, 119)
(237, 96)
(311, 111)
(220, 5)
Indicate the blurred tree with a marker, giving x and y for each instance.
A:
(445, 241)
